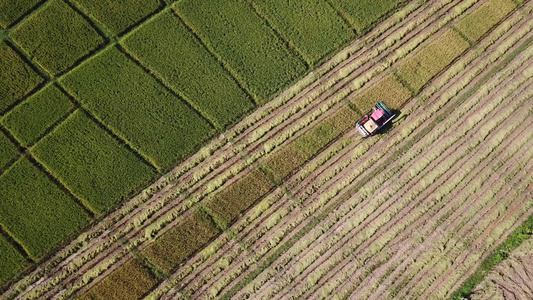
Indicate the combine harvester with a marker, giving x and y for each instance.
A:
(374, 120)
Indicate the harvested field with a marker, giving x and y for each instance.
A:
(292, 203)
(512, 279)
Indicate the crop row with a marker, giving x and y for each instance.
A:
(473, 257)
(517, 94)
(417, 214)
(401, 258)
(438, 213)
(362, 259)
(329, 245)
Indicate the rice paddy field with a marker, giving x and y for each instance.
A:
(208, 150)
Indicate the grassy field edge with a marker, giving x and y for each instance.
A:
(516, 238)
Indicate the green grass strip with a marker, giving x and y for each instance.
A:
(522, 233)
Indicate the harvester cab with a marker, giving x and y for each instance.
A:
(374, 120)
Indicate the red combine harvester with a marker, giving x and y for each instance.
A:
(378, 117)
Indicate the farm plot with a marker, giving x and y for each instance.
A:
(109, 170)
(192, 72)
(85, 263)
(53, 215)
(361, 14)
(245, 43)
(11, 260)
(119, 16)
(312, 26)
(18, 79)
(511, 279)
(45, 108)
(8, 151)
(47, 43)
(157, 123)
(13, 10)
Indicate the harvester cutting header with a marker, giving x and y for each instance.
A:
(374, 120)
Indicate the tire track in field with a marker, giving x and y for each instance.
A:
(439, 231)
(383, 230)
(438, 212)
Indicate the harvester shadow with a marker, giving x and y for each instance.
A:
(388, 127)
